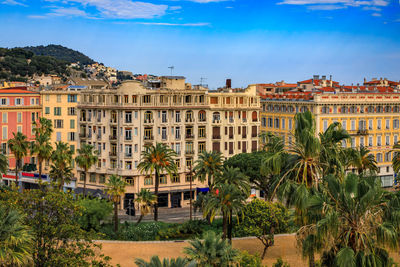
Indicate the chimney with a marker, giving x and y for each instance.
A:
(330, 77)
(228, 83)
(316, 77)
(323, 77)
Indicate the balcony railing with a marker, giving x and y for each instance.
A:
(113, 121)
(216, 121)
(113, 154)
(189, 120)
(189, 152)
(148, 138)
(189, 136)
(128, 138)
(216, 136)
(148, 120)
(113, 137)
(128, 155)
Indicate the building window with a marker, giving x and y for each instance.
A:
(19, 128)
(102, 178)
(370, 124)
(202, 147)
(57, 111)
(178, 163)
(175, 178)
(379, 157)
(202, 131)
(58, 124)
(71, 98)
(148, 180)
(92, 178)
(379, 126)
(128, 117)
(361, 141)
(379, 140)
(47, 110)
(189, 162)
(19, 117)
(353, 125)
(18, 101)
(370, 141)
(130, 181)
(325, 123)
(387, 139)
(71, 136)
(5, 117)
(58, 98)
(82, 177)
(128, 165)
(163, 179)
(72, 124)
(58, 136)
(344, 125)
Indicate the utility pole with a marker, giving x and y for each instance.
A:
(201, 81)
(171, 68)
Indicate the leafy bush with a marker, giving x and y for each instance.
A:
(280, 263)
(94, 211)
(249, 260)
(189, 229)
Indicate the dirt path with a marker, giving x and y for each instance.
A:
(124, 253)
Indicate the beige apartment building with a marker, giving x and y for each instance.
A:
(370, 114)
(120, 122)
(61, 107)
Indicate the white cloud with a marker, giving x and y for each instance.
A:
(326, 7)
(374, 5)
(377, 14)
(67, 11)
(13, 3)
(208, 1)
(122, 9)
(174, 7)
(199, 24)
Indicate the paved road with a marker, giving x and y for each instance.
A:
(171, 215)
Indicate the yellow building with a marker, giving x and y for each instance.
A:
(60, 106)
(370, 114)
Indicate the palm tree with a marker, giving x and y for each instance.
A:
(362, 160)
(60, 170)
(211, 251)
(115, 188)
(396, 157)
(41, 146)
(157, 159)
(86, 158)
(19, 147)
(233, 176)
(146, 200)
(226, 200)
(207, 166)
(156, 262)
(15, 239)
(356, 219)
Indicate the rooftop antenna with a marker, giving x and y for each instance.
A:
(171, 68)
(201, 81)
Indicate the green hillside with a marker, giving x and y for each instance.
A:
(60, 52)
(18, 64)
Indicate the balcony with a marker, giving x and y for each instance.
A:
(128, 138)
(189, 152)
(113, 154)
(216, 136)
(244, 135)
(128, 121)
(231, 120)
(216, 121)
(358, 132)
(148, 138)
(202, 136)
(189, 136)
(98, 137)
(148, 121)
(189, 120)
(112, 121)
(82, 135)
(244, 120)
(113, 137)
(128, 155)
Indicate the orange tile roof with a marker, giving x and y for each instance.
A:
(16, 90)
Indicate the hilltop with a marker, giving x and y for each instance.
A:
(18, 64)
(61, 53)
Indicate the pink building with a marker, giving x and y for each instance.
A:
(19, 108)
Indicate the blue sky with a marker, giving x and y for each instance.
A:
(247, 40)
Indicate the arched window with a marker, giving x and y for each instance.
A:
(202, 115)
(148, 117)
(388, 109)
(254, 116)
(216, 116)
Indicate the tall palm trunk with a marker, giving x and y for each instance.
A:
(230, 228)
(16, 171)
(40, 161)
(116, 216)
(157, 183)
(140, 219)
(224, 225)
(84, 183)
(311, 260)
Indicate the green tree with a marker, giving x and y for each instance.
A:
(208, 166)
(61, 170)
(115, 188)
(396, 157)
(233, 176)
(94, 211)
(212, 251)
(357, 220)
(3, 163)
(226, 200)
(19, 147)
(86, 158)
(58, 239)
(146, 200)
(362, 160)
(263, 219)
(15, 239)
(41, 146)
(157, 159)
(156, 262)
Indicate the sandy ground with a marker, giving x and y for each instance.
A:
(124, 253)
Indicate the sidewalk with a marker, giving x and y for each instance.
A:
(170, 215)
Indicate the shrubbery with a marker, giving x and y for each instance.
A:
(95, 211)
